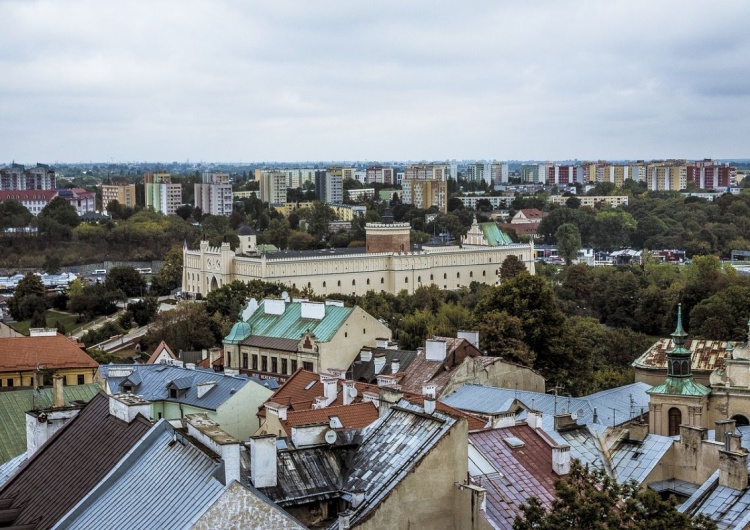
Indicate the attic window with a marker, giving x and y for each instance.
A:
(514, 442)
(173, 393)
(127, 387)
(637, 455)
(310, 385)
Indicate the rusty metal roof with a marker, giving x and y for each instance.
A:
(707, 355)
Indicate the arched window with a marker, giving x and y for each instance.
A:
(354, 282)
(458, 275)
(406, 280)
(419, 279)
(382, 280)
(339, 283)
(368, 281)
(431, 277)
(324, 284)
(675, 419)
(740, 420)
(308, 285)
(445, 275)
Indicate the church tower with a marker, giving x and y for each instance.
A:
(679, 400)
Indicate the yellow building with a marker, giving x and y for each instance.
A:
(122, 193)
(42, 355)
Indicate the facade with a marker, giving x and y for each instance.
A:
(329, 186)
(277, 337)
(426, 193)
(361, 194)
(386, 264)
(32, 361)
(17, 177)
(497, 202)
(33, 200)
(426, 172)
(710, 175)
(347, 212)
(122, 193)
(273, 185)
(161, 194)
(613, 200)
(83, 201)
(379, 175)
(666, 176)
(214, 195)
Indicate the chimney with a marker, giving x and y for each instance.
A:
(501, 421)
(338, 373)
(723, 427)
(371, 397)
(381, 343)
(330, 387)
(436, 350)
(127, 406)
(365, 355)
(210, 435)
(534, 419)
(274, 306)
(471, 336)
(429, 391)
(395, 365)
(733, 465)
(350, 392)
(388, 397)
(379, 363)
(309, 434)
(637, 432)
(42, 424)
(429, 405)
(561, 459)
(565, 422)
(58, 394)
(345, 518)
(263, 471)
(276, 410)
(313, 310)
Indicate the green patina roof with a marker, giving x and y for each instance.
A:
(239, 332)
(15, 403)
(676, 386)
(291, 325)
(494, 236)
(268, 249)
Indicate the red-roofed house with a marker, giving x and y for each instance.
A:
(33, 200)
(45, 353)
(161, 355)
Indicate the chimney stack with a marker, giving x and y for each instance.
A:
(350, 392)
(429, 390)
(561, 459)
(723, 427)
(534, 419)
(58, 393)
(127, 406)
(330, 388)
(436, 350)
(263, 471)
(429, 405)
(565, 422)
(733, 464)
(471, 336)
(395, 365)
(210, 434)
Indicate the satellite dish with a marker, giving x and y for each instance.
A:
(574, 416)
(352, 392)
(42, 418)
(331, 437)
(285, 296)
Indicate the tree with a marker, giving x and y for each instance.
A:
(51, 264)
(511, 267)
(58, 218)
(573, 202)
(318, 218)
(126, 279)
(187, 328)
(228, 300)
(589, 499)
(568, 242)
(13, 214)
(29, 287)
(502, 335)
(169, 276)
(144, 310)
(613, 229)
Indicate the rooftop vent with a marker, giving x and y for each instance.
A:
(514, 442)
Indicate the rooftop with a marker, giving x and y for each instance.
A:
(706, 356)
(52, 352)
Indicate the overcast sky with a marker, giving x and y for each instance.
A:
(373, 80)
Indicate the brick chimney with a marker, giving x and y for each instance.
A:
(561, 459)
(58, 393)
(436, 350)
(263, 472)
(210, 434)
(127, 406)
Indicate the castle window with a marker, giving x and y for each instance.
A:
(419, 279)
(354, 282)
(675, 419)
(471, 274)
(458, 275)
(431, 277)
(382, 280)
(484, 273)
(339, 283)
(445, 275)
(308, 285)
(406, 280)
(324, 284)
(368, 281)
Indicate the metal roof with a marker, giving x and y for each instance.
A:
(10, 467)
(494, 236)
(159, 484)
(157, 377)
(680, 386)
(728, 507)
(15, 403)
(305, 475)
(707, 355)
(291, 325)
(612, 407)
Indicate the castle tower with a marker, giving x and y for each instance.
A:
(388, 236)
(679, 400)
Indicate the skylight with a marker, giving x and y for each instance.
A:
(514, 442)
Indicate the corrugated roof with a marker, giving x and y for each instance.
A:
(518, 474)
(159, 484)
(271, 343)
(365, 370)
(290, 324)
(71, 463)
(305, 475)
(613, 406)
(52, 353)
(157, 377)
(728, 507)
(707, 355)
(494, 236)
(15, 403)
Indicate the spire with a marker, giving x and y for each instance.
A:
(678, 335)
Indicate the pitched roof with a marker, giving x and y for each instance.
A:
(152, 382)
(612, 407)
(28, 195)
(533, 213)
(511, 475)
(305, 475)
(729, 508)
(51, 352)
(361, 370)
(71, 463)
(354, 416)
(422, 371)
(155, 474)
(494, 236)
(706, 356)
(291, 325)
(15, 403)
(162, 347)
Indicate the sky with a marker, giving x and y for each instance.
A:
(253, 81)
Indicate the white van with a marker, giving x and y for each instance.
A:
(100, 272)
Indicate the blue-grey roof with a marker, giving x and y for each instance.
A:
(156, 378)
(158, 484)
(728, 507)
(613, 406)
(10, 467)
(391, 448)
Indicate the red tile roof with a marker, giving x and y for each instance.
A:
(521, 472)
(162, 346)
(52, 353)
(354, 416)
(28, 195)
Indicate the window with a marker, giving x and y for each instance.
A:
(382, 281)
(471, 274)
(445, 276)
(263, 363)
(339, 283)
(173, 393)
(368, 281)
(324, 284)
(458, 275)
(159, 414)
(308, 285)
(431, 277)
(484, 273)
(10, 382)
(675, 419)
(308, 366)
(346, 334)
(406, 280)
(294, 365)
(275, 365)
(364, 331)
(354, 282)
(255, 361)
(283, 366)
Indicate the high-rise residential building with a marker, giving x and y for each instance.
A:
(273, 186)
(560, 175)
(341, 171)
(297, 177)
(214, 195)
(530, 173)
(666, 176)
(379, 175)
(426, 172)
(17, 177)
(499, 173)
(709, 175)
(426, 193)
(124, 194)
(329, 187)
(479, 172)
(161, 194)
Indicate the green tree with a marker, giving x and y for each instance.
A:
(188, 328)
(568, 242)
(126, 279)
(511, 267)
(169, 276)
(51, 264)
(58, 219)
(13, 214)
(27, 297)
(613, 229)
(589, 499)
(144, 310)
(229, 299)
(318, 218)
(502, 335)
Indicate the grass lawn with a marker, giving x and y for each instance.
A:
(67, 320)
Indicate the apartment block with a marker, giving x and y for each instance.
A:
(427, 172)
(214, 195)
(17, 177)
(710, 175)
(329, 186)
(161, 194)
(666, 176)
(124, 194)
(426, 193)
(273, 185)
(379, 175)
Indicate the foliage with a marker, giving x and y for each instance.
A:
(28, 297)
(57, 219)
(94, 300)
(169, 276)
(511, 267)
(13, 214)
(125, 279)
(187, 328)
(568, 242)
(104, 332)
(144, 310)
(589, 499)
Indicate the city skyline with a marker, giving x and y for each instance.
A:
(88, 81)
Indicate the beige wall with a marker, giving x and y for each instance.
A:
(500, 374)
(360, 329)
(694, 410)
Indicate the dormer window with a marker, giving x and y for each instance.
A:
(173, 393)
(127, 387)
